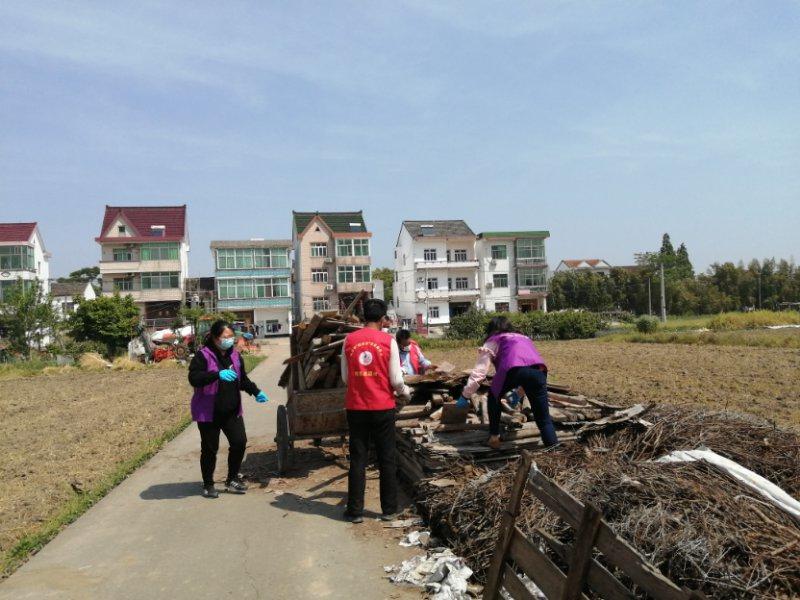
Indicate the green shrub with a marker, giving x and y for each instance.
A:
(75, 349)
(753, 320)
(646, 324)
(567, 325)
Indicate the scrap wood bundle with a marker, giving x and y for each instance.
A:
(700, 526)
(316, 349)
(433, 434)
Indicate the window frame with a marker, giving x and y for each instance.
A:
(429, 254)
(494, 251)
(500, 275)
(460, 255)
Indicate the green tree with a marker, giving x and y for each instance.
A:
(88, 274)
(27, 315)
(111, 320)
(387, 276)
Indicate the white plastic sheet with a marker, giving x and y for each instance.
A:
(753, 480)
(443, 574)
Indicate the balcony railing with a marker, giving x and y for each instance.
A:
(423, 293)
(443, 263)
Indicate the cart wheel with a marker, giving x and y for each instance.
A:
(283, 441)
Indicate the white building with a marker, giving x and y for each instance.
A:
(512, 276)
(436, 272)
(145, 254)
(23, 256)
(65, 295)
(592, 265)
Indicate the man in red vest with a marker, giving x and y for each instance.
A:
(371, 369)
(411, 358)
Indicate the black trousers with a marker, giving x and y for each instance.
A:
(233, 428)
(375, 426)
(534, 382)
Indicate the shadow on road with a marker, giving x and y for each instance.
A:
(314, 505)
(171, 491)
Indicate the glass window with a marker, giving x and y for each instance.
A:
(433, 312)
(319, 303)
(244, 258)
(462, 283)
(279, 258)
(319, 249)
(344, 247)
(345, 274)
(433, 283)
(429, 254)
(319, 275)
(123, 284)
(460, 255)
(123, 255)
(531, 277)
(499, 251)
(361, 273)
(160, 252)
(261, 258)
(121, 229)
(225, 258)
(530, 249)
(160, 281)
(501, 307)
(361, 247)
(500, 280)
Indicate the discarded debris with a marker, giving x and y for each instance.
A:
(440, 572)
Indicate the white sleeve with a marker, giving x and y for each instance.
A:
(344, 366)
(396, 371)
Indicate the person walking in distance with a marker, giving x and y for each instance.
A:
(218, 376)
(371, 370)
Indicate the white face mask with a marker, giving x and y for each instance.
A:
(406, 349)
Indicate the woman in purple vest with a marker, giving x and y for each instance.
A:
(218, 376)
(517, 363)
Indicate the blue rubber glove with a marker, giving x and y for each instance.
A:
(228, 375)
(463, 402)
(262, 397)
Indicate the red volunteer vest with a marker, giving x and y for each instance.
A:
(413, 356)
(368, 386)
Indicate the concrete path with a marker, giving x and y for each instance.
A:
(154, 537)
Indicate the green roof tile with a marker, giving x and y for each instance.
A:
(339, 222)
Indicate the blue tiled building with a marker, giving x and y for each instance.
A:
(254, 281)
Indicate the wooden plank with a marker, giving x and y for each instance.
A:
(507, 524)
(332, 378)
(581, 558)
(354, 304)
(285, 376)
(515, 588)
(537, 565)
(308, 333)
(617, 551)
(599, 578)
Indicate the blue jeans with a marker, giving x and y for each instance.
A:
(534, 382)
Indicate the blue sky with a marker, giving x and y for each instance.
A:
(607, 123)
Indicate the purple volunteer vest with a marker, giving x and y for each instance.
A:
(513, 350)
(204, 397)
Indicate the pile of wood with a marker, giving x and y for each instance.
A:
(316, 349)
(428, 442)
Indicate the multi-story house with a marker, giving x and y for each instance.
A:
(436, 272)
(23, 256)
(332, 259)
(592, 265)
(513, 270)
(145, 254)
(65, 295)
(253, 280)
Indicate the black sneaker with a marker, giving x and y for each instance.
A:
(390, 516)
(353, 518)
(209, 491)
(235, 486)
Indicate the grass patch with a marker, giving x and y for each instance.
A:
(753, 320)
(446, 343)
(251, 361)
(24, 368)
(74, 508)
(752, 338)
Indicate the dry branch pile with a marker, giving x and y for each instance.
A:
(703, 529)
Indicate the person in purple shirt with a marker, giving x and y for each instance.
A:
(517, 363)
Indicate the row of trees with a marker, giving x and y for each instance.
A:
(724, 287)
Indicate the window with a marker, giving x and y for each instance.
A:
(319, 275)
(122, 254)
(433, 312)
(499, 252)
(121, 230)
(160, 252)
(158, 230)
(160, 281)
(352, 247)
(433, 283)
(270, 258)
(462, 283)
(501, 307)
(271, 288)
(353, 274)
(7, 286)
(500, 280)
(319, 249)
(531, 278)
(123, 284)
(226, 258)
(429, 254)
(16, 258)
(459, 255)
(260, 287)
(319, 303)
(530, 249)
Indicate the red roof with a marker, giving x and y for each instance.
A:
(592, 262)
(142, 219)
(16, 232)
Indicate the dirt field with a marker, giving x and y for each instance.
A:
(72, 429)
(760, 381)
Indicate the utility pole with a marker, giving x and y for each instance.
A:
(759, 290)
(663, 297)
(649, 298)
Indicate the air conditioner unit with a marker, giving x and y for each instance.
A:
(329, 287)
(329, 259)
(493, 261)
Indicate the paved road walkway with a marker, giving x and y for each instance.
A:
(154, 537)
